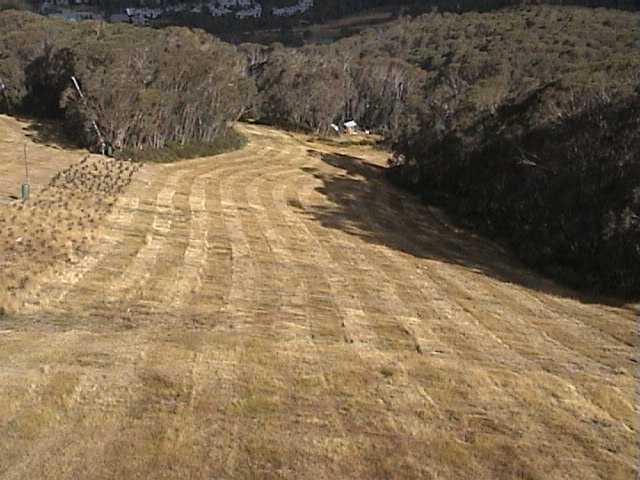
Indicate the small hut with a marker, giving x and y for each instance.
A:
(351, 127)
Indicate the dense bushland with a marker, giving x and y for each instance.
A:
(523, 121)
(14, 5)
(312, 87)
(565, 195)
(143, 88)
(529, 129)
(454, 66)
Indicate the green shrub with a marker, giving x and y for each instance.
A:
(14, 5)
(226, 142)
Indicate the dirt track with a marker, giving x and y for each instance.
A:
(281, 312)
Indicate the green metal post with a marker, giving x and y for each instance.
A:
(24, 191)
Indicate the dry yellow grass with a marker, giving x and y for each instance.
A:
(45, 156)
(72, 193)
(281, 312)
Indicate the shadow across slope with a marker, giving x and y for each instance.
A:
(365, 205)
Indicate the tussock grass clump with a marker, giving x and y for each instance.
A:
(103, 176)
(7, 303)
(59, 225)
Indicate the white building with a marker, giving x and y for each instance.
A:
(253, 12)
(351, 127)
(301, 7)
(241, 9)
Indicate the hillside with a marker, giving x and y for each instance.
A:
(456, 67)
(141, 88)
(449, 292)
(283, 312)
(507, 118)
(289, 21)
(459, 96)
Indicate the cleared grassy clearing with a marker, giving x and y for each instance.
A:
(281, 312)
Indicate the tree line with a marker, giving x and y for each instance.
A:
(143, 88)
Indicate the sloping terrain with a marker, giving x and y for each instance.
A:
(44, 158)
(282, 312)
(72, 193)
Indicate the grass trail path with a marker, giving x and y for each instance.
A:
(283, 312)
